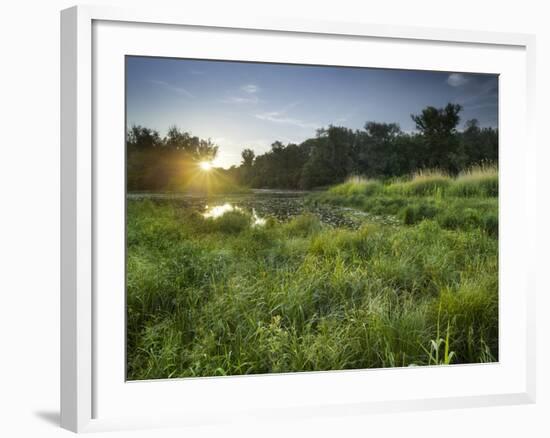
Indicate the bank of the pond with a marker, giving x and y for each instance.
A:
(469, 201)
(281, 205)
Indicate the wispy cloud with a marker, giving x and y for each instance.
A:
(175, 89)
(479, 93)
(457, 79)
(479, 98)
(345, 118)
(250, 88)
(481, 106)
(241, 99)
(246, 94)
(281, 117)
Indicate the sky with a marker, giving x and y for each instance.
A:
(242, 105)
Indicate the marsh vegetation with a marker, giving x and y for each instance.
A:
(366, 274)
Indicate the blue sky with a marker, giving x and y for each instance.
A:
(250, 105)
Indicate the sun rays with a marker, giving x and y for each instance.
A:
(204, 177)
(205, 166)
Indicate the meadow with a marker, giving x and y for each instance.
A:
(411, 281)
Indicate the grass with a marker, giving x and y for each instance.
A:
(468, 201)
(357, 185)
(480, 180)
(477, 181)
(422, 183)
(212, 297)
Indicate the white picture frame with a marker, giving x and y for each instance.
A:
(92, 392)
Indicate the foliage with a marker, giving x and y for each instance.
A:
(161, 164)
(231, 222)
(380, 150)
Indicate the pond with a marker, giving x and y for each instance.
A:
(262, 204)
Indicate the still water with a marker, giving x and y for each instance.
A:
(262, 204)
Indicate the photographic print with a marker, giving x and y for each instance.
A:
(287, 218)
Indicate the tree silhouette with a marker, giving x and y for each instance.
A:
(380, 150)
(438, 129)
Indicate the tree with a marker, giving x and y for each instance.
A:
(164, 164)
(245, 171)
(139, 137)
(438, 129)
(248, 156)
(331, 159)
(438, 122)
(379, 150)
(382, 132)
(479, 144)
(190, 147)
(376, 154)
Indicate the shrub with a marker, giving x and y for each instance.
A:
(415, 213)
(231, 222)
(384, 205)
(303, 225)
(490, 224)
(456, 218)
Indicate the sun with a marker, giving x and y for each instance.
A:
(205, 165)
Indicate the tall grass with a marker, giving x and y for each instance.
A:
(477, 181)
(481, 180)
(210, 297)
(464, 202)
(357, 185)
(422, 183)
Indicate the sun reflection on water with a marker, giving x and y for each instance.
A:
(219, 210)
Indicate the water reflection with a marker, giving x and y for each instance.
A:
(256, 220)
(219, 210)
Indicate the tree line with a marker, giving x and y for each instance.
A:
(379, 150)
(155, 163)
